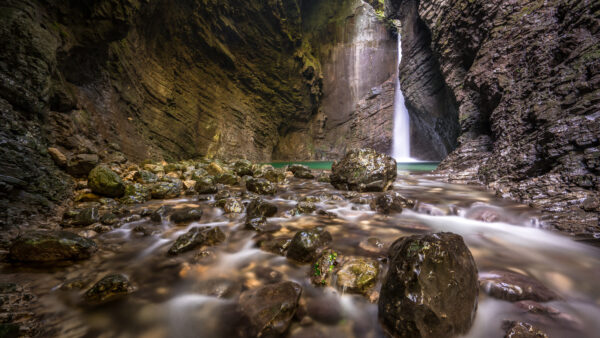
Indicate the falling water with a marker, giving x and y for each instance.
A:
(401, 136)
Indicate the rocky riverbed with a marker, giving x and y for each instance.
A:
(215, 248)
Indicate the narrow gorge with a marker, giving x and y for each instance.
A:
(299, 168)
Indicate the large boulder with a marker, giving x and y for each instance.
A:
(269, 310)
(103, 181)
(430, 289)
(364, 170)
(50, 246)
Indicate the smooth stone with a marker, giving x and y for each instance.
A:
(307, 245)
(430, 289)
(357, 275)
(270, 309)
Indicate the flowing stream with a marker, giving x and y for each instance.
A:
(195, 294)
(401, 136)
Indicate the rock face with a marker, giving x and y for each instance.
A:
(50, 246)
(364, 170)
(524, 76)
(415, 304)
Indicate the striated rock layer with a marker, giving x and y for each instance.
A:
(525, 76)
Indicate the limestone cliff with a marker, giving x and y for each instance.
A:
(526, 82)
(108, 80)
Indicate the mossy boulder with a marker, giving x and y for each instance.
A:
(357, 275)
(261, 186)
(307, 245)
(50, 246)
(108, 289)
(103, 181)
(431, 287)
(364, 170)
(197, 237)
(214, 169)
(274, 175)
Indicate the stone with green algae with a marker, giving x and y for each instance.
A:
(357, 274)
(103, 181)
(108, 289)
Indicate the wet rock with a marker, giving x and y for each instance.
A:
(82, 164)
(260, 208)
(206, 185)
(270, 309)
(197, 237)
(103, 181)
(85, 217)
(430, 289)
(307, 245)
(277, 246)
(390, 202)
(49, 246)
(219, 287)
(256, 224)
(243, 168)
(108, 289)
(186, 215)
(485, 213)
(230, 205)
(86, 197)
(227, 178)
(136, 193)
(357, 275)
(513, 287)
(364, 170)
(322, 269)
(166, 190)
(158, 215)
(74, 284)
(303, 208)
(145, 177)
(522, 330)
(273, 175)
(261, 186)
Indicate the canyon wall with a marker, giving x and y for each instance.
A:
(525, 77)
(100, 81)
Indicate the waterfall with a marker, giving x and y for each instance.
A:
(401, 136)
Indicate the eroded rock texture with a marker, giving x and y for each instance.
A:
(525, 76)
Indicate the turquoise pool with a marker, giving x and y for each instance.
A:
(326, 165)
